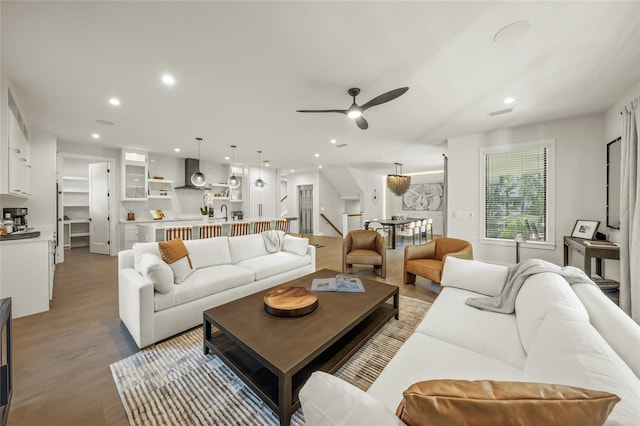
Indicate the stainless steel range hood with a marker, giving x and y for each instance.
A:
(191, 165)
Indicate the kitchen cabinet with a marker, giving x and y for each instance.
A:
(134, 175)
(129, 235)
(18, 158)
(26, 275)
(262, 202)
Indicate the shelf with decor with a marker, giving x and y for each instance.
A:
(160, 189)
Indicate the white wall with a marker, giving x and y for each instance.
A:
(579, 187)
(331, 205)
(368, 182)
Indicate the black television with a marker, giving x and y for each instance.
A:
(6, 382)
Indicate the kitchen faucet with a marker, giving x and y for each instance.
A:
(226, 212)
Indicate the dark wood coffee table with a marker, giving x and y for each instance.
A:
(275, 355)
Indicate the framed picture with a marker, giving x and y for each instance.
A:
(585, 229)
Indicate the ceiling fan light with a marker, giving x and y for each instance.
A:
(354, 113)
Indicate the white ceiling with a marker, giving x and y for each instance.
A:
(243, 68)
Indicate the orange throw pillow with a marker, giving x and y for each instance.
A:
(176, 255)
(486, 402)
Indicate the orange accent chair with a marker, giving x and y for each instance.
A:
(427, 260)
(364, 247)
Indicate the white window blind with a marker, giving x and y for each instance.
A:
(516, 194)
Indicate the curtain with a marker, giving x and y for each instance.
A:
(630, 212)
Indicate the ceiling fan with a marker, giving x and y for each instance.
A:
(355, 112)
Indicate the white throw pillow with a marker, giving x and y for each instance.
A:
(155, 269)
(140, 249)
(473, 275)
(181, 270)
(295, 245)
(327, 400)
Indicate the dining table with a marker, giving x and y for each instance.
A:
(392, 223)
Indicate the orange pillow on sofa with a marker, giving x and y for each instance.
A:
(486, 402)
(176, 255)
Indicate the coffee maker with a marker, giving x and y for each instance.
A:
(19, 216)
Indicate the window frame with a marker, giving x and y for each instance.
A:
(550, 224)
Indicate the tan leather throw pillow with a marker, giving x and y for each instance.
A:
(176, 255)
(486, 402)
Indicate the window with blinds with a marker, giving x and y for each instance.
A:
(516, 193)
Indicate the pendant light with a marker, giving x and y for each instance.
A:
(398, 183)
(198, 178)
(234, 181)
(259, 183)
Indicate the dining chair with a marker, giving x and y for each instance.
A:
(210, 231)
(182, 232)
(240, 228)
(417, 231)
(407, 230)
(261, 226)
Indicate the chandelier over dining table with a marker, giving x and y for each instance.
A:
(398, 183)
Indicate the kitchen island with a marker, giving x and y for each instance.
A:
(152, 231)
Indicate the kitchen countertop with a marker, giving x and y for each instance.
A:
(161, 224)
(46, 234)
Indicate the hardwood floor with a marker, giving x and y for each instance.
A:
(61, 357)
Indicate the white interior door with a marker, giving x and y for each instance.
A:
(99, 208)
(59, 211)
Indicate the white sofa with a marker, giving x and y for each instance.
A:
(226, 268)
(571, 335)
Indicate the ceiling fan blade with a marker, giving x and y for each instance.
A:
(362, 123)
(385, 97)
(339, 111)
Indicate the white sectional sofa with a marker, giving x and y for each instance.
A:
(227, 268)
(560, 333)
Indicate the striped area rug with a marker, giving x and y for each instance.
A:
(173, 383)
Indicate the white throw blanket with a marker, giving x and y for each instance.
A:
(273, 240)
(505, 302)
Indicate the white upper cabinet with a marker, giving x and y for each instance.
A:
(17, 159)
(134, 175)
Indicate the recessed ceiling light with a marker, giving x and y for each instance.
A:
(168, 80)
(176, 149)
(512, 31)
(320, 166)
(316, 155)
(333, 141)
(114, 101)
(226, 158)
(291, 170)
(509, 100)
(95, 136)
(266, 164)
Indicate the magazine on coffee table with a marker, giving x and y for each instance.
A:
(341, 283)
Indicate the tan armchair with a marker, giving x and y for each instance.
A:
(427, 260)
(364, 247)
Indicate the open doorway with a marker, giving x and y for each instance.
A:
(84, 204)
